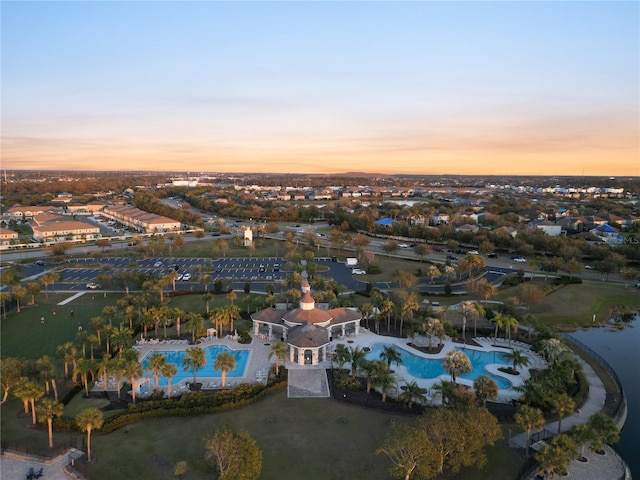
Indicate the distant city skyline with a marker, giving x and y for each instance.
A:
(431, 88)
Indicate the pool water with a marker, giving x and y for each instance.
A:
(241, 356)
(420, 367)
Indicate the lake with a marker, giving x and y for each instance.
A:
(621, 350)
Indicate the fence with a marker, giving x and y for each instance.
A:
(620, 403)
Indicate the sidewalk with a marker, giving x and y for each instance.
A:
(594, 403)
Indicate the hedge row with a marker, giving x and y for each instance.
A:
(192, 404)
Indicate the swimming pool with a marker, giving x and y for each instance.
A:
(241, 356)
(420, 367)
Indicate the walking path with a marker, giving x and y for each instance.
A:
(16, 466)
(594, 403)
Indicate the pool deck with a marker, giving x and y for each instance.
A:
(366, 339)
(256, 370)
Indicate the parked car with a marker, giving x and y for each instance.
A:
(39, 263)
(520, 259)
(492, 255)
(186, 277)
(452, 257)
(157, 264)
(358, 271)
(93, 286)
(473, 252)
(261, 268)
(403, 245)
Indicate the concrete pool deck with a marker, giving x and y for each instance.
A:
(366, 338)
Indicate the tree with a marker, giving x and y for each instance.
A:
(562, 404)
(342, 355)
(582, 434)
(466, 309)
(517, 358)
(456, 363)
(445, 390)
(391, 354)
(485, 388)
(47, 410)
(18, 292)
(33, 288)
(83, 369)
(195, 359)
(11, 370)
(529, 419)
(88, 420)
(235, 455)
(69, 354)
(225, 362)
(29, 391)
(356, 356)
(155, 365)
(48, 373)
(412, 391)
(196, 324)
(498, 321)
(556, 456)
(169, 371)
(409, 450)
(131, 369)
(510, 324)
(604, 429)
(279, 350)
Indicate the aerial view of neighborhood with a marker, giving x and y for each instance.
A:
(307, 316)
(346, 240)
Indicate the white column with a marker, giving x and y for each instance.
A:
(270, 330)
(292, 351)
(357, 327)
(300, 357)
(256, 327)
(314, 356)
(343, 329)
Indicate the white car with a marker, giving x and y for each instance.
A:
(403, 245)
(473, 252)
(186, 277)
(157, 264)
(358, 271)
(93, 286)
(520, 260)
(180, 277)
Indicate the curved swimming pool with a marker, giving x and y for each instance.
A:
(211, 352)
(429, 368)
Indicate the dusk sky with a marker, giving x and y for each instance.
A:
(441, 87)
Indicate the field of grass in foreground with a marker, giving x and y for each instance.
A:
(300, 438)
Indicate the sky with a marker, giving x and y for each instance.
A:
(415, 87)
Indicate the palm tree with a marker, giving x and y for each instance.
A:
(88, 420)
(366, 310)
(553, 349)
(47, 410)
(386, 308)
(156, 363)
(83, 369)
(231, 296)
(121, 338)
(498, 321)
(510, 324)
(28, 392)
(207, 297)
(445, 389)
(467, 309)
(279, 350)
(485, 388)
(195, 358)
(342, 355)
(196, 324)
(605, 431)
(18, 292)
(517, 358)
(385, 380)
(391, 354)
(357, 355)
(131, 369)
(225, 362)
(412, 391)
(556, 456)
(582, 434)
(529, 419)
(169, 371)
(104, 367)
(48, 373)
(562, 403)
(456, 363)
(205, 280)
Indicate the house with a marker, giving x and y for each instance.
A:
(64, 231)
(608, 234)
(439, 218)
(8, 237)
(141, 220)
(550, 228)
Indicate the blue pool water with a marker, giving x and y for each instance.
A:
(241, 356)
(432, 368)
